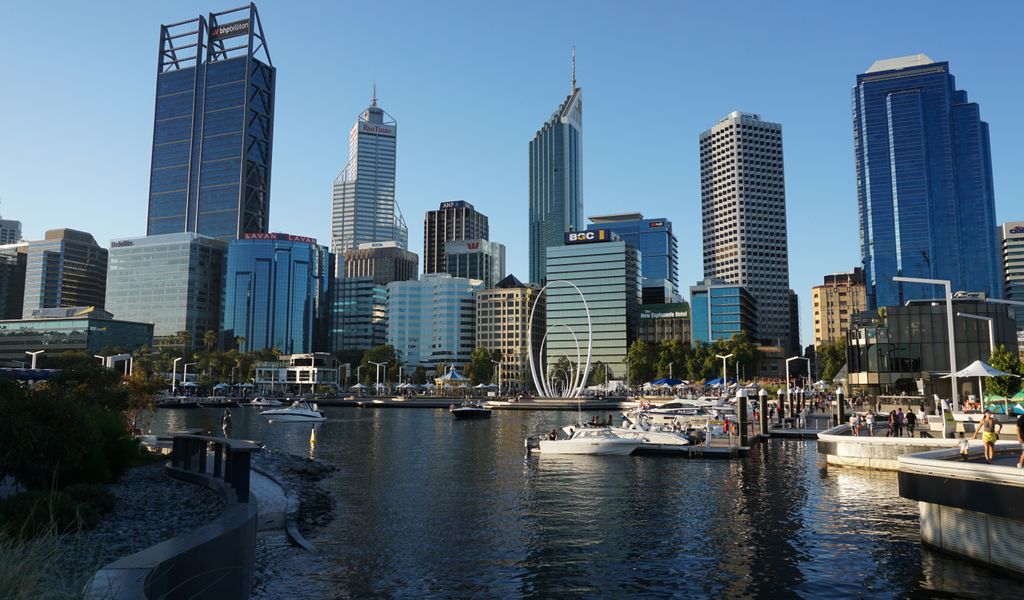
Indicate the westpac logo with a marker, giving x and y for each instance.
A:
(586, 237)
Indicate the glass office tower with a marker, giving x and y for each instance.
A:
(607, 272)
(659, 252)
(213, 127)
(556, 180)
(173, 281)
(276, 293)
(359, 314)
(721, 310)
(67, 268)
(364, 209)
(924, 183)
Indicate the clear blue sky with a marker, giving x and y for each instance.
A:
(470, 83)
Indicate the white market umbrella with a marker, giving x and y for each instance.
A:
(358, 386)
(981, 369)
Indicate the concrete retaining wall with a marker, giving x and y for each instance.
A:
(215, 560)
(872, 452)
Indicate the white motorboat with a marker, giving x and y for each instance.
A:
(583, 440)
(299, 412)
(265, 402)
(470, 410)
(653, 436)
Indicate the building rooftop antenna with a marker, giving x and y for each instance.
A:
(573, 69)
(373, 101)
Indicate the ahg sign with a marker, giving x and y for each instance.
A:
(587, 237)
(377, 129)
(229, 30)
(654, 224)
(122, 244)
(1016, 230)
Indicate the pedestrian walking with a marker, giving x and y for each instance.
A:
(870, 422)
(989, 429)
(911, 422)
(891, 424)
(899, 421)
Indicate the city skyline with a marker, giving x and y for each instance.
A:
(492, 173)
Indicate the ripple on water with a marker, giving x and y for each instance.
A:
(431, 507)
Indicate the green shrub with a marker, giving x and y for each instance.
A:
(29, 514)
(92, 494)
(119, 448)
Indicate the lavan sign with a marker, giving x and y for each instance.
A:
(283, 237)
(588, 237)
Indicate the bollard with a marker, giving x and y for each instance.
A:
(782, 406)
(741, 406)
(840, 407)
(762, 397)
(792, 404)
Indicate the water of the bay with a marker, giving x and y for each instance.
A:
(432, 507)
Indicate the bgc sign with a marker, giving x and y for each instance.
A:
(588, 237)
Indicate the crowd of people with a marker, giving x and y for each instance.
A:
(897, 422)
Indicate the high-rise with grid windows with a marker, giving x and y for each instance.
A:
(743, 208)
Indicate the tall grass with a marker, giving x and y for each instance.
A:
(50, 565)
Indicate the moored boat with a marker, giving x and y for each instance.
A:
(470, 410)
(584, 440)
(299, 412)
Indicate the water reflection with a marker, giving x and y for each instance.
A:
(428, 506)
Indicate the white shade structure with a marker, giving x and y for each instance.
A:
(980, 369)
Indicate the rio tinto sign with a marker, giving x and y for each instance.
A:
(377, 129)
(229, 30)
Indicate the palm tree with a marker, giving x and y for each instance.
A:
(239, 342)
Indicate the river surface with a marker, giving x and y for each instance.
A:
(432, 507)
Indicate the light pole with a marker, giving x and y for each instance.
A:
(184, 374)
(949, 326)
(725, 373)
(174, 376)
(991, 331)
(787, 371)
(103, 359)
(670, 370)
(498, 363)
(359, 372)
(376, 386)
(34, 354)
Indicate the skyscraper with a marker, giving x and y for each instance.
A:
(364, 208)
(556, 179)
(475, 259)
(835, 302)
(383, 261)
(452, 221)
(213, 127)
(10, 231)
(743, 204)
(659, 251)
(68, 268)
(924, 182)
(1011, 238)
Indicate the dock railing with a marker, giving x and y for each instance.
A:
(231, 460)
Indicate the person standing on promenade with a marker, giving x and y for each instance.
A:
(911, 422)
(225, 422)
(899, 421)
(891, 424)
(922, 419)
(989, 429)
(870, 421)
(1020, 440)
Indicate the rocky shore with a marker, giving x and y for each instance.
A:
(284, 570)
(151, 508)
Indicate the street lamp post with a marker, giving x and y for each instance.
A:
(791, 358)
(725, 374)
(34, 354)
(376, 386)
(955, 396)
(174, 376)
(184, 373)
(670, 370)
(498, 363)
(991, 331)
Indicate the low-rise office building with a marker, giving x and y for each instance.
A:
(720, 310)
(431, 321)
(307, 373)
(55, 330)
(173, 281)
(906, 349)
(502, 316)
(835, 302)
(383, 261)
(358, 315)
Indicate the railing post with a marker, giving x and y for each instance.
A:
(186, 463)
(201, 457)
(177, 451)
(218, 458)
(240, 475)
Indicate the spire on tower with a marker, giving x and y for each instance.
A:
(373, 101)
(573, 70)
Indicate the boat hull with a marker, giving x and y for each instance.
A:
(601, 447)
(471, 413)
(285, 418)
